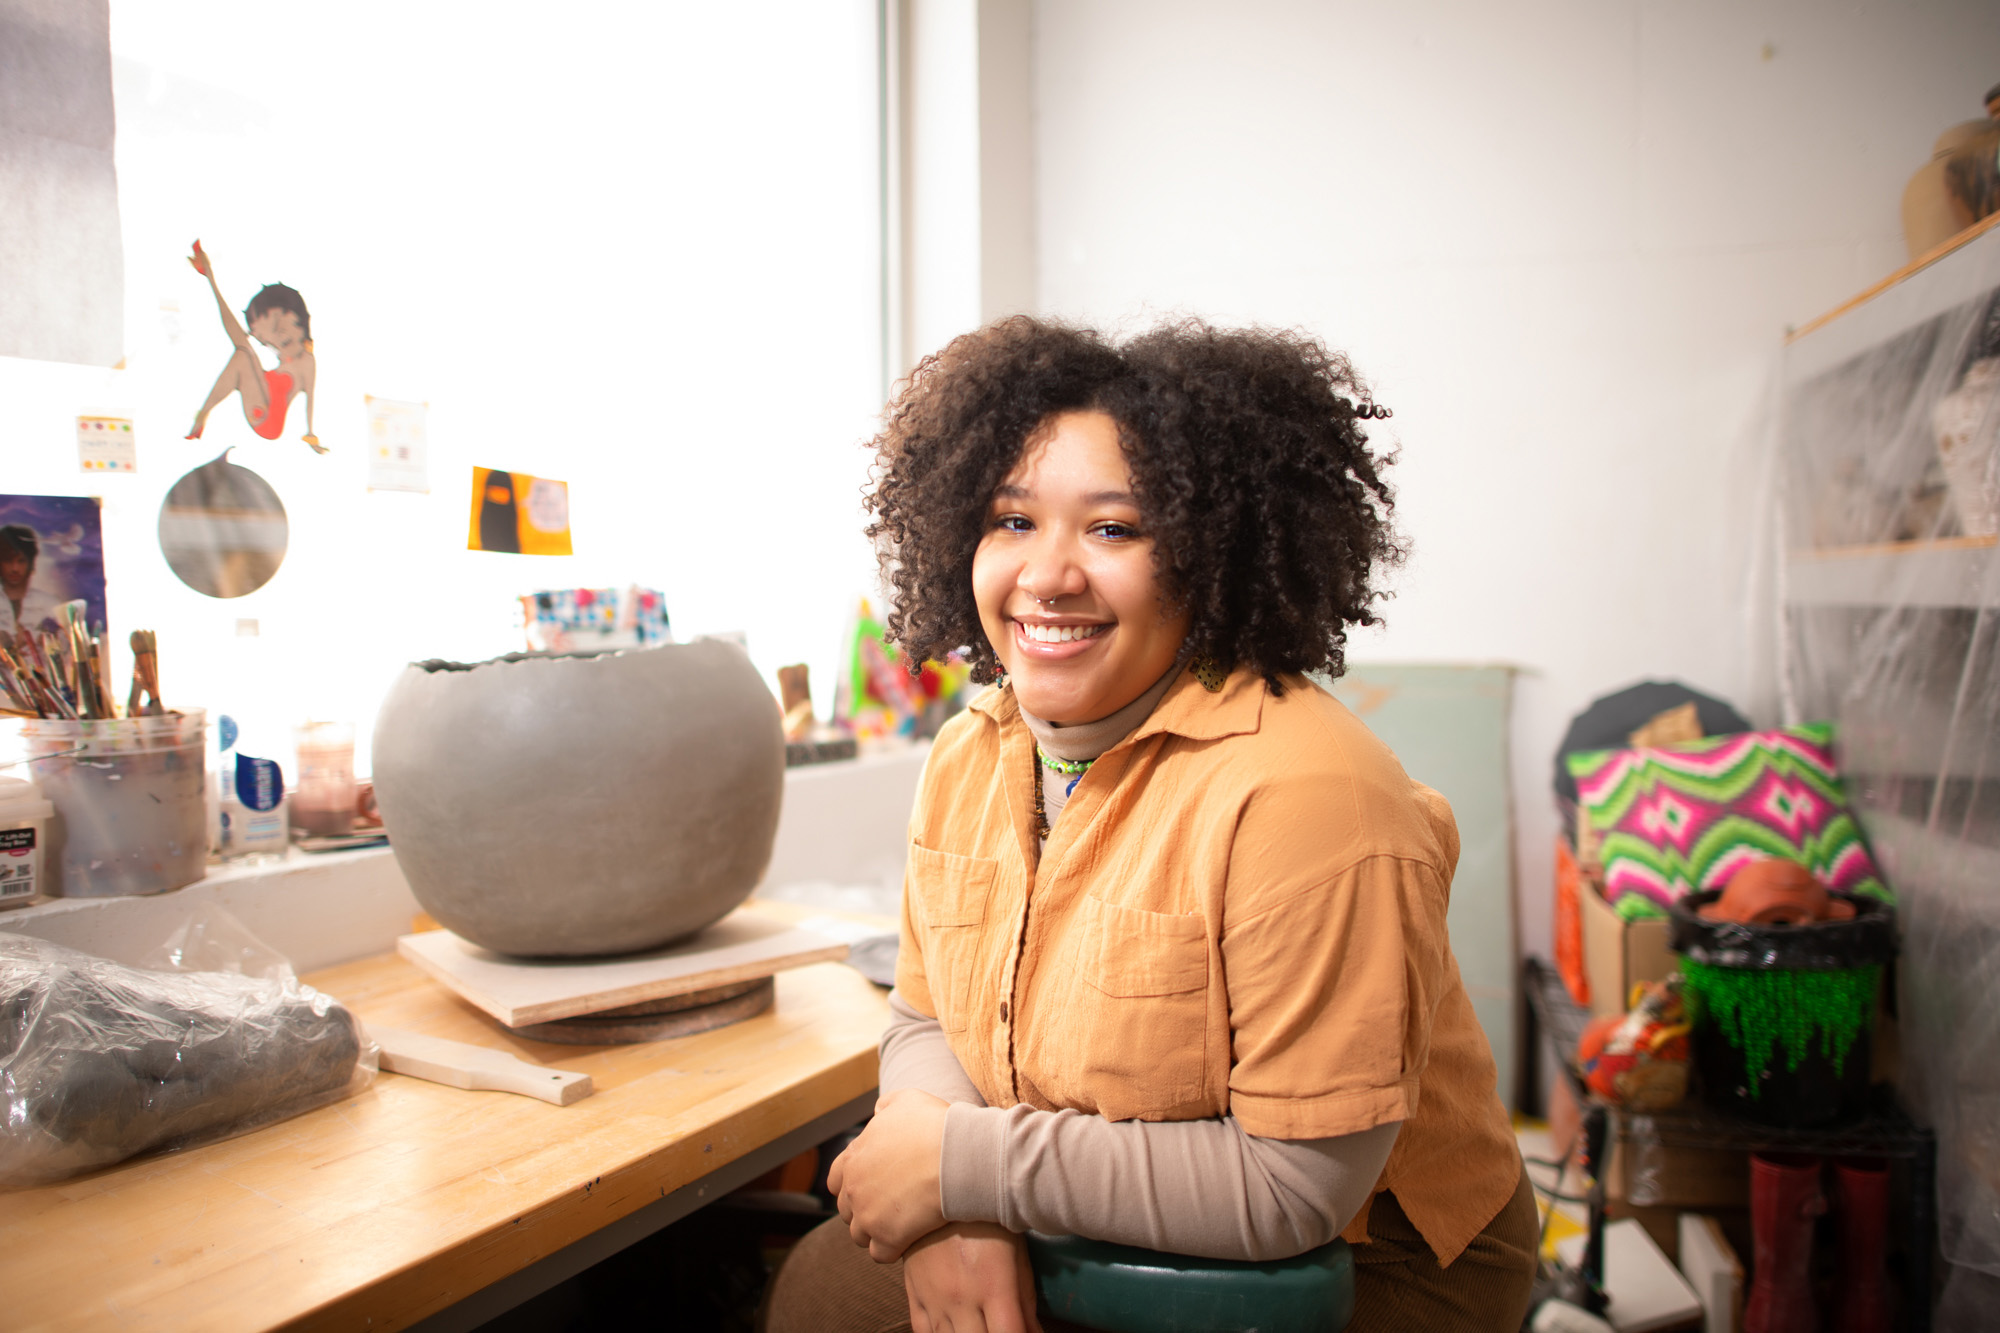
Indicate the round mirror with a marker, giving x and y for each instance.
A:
(223, 529)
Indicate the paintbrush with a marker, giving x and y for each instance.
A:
(100, 669)
(81, 659)
(19, 693)
(56, 671)
(19, 682)
(37, 667)
(145, 674)
(48, 657)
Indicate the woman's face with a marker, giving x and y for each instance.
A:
(280, 331)
(1064, 577)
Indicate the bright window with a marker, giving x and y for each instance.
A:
(634, 247)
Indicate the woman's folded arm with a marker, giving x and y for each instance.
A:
(1200, 1187)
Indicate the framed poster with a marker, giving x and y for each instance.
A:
(51, 552)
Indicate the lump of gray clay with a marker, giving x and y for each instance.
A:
(581, 805)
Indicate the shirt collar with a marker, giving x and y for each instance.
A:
(1187, 709)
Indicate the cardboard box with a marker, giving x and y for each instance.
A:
(1620, 954)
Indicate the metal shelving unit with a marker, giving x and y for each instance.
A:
(1886, 1132)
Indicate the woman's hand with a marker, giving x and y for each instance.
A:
(970, 1277)
(887, 1180)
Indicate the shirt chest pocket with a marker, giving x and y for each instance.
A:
(951, 893)
(1143, 1008)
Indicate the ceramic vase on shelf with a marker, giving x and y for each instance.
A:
(584, 804)
(1967, 422)
(1958, 186)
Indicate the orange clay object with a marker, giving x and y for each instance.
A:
(1776, 892)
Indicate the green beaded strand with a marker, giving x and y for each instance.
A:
(1067, 767)
(1759, 1009)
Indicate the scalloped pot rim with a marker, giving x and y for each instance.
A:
(437, 665)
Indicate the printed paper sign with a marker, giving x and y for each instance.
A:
(105, 444)
(398, 452)
(518, 514)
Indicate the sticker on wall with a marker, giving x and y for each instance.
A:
(105, 444)
(518, 514)
(51, 552)
(397, 449)
(277, 317)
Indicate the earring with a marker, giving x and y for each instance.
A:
(1208, 673)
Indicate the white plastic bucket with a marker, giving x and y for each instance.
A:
(24, 838)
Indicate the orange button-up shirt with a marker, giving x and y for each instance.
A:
(1241, 911)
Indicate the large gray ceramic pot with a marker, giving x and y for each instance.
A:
(581, 804)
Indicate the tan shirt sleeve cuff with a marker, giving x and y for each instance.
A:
(1327, 1116)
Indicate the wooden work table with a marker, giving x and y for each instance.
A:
(394, 1206)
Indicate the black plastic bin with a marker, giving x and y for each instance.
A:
(1784, 1016)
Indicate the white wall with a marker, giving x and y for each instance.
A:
(1562, 240)
(634, 247)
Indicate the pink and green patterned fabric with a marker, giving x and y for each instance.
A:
(1682, 818)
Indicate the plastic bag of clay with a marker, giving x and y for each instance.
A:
(211, 1037)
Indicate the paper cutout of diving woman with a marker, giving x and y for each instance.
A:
(278, 319)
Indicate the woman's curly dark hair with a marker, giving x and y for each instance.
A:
(1268, 512)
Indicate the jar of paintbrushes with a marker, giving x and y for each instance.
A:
(127, 785)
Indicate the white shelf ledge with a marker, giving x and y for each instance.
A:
(844, 829)
(1953, 572)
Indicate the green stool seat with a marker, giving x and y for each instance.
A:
(1124, 1289)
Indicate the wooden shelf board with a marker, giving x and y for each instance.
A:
(1896, 548)
(1917, 265)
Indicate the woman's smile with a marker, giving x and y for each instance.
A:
(1039, 637)
(1064, 576)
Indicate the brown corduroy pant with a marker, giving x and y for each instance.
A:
(828, 1285)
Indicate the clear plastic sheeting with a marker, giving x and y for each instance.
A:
(100, 1061)
(1889, 586)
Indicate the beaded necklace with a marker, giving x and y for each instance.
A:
(1072, 768)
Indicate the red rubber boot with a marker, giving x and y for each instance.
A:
(1862, 1193)
(1784, 1200)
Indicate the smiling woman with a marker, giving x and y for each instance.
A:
(1173, 969)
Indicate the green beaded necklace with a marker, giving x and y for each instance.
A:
(1068, 768)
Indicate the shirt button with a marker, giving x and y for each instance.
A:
(1003, 1011)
